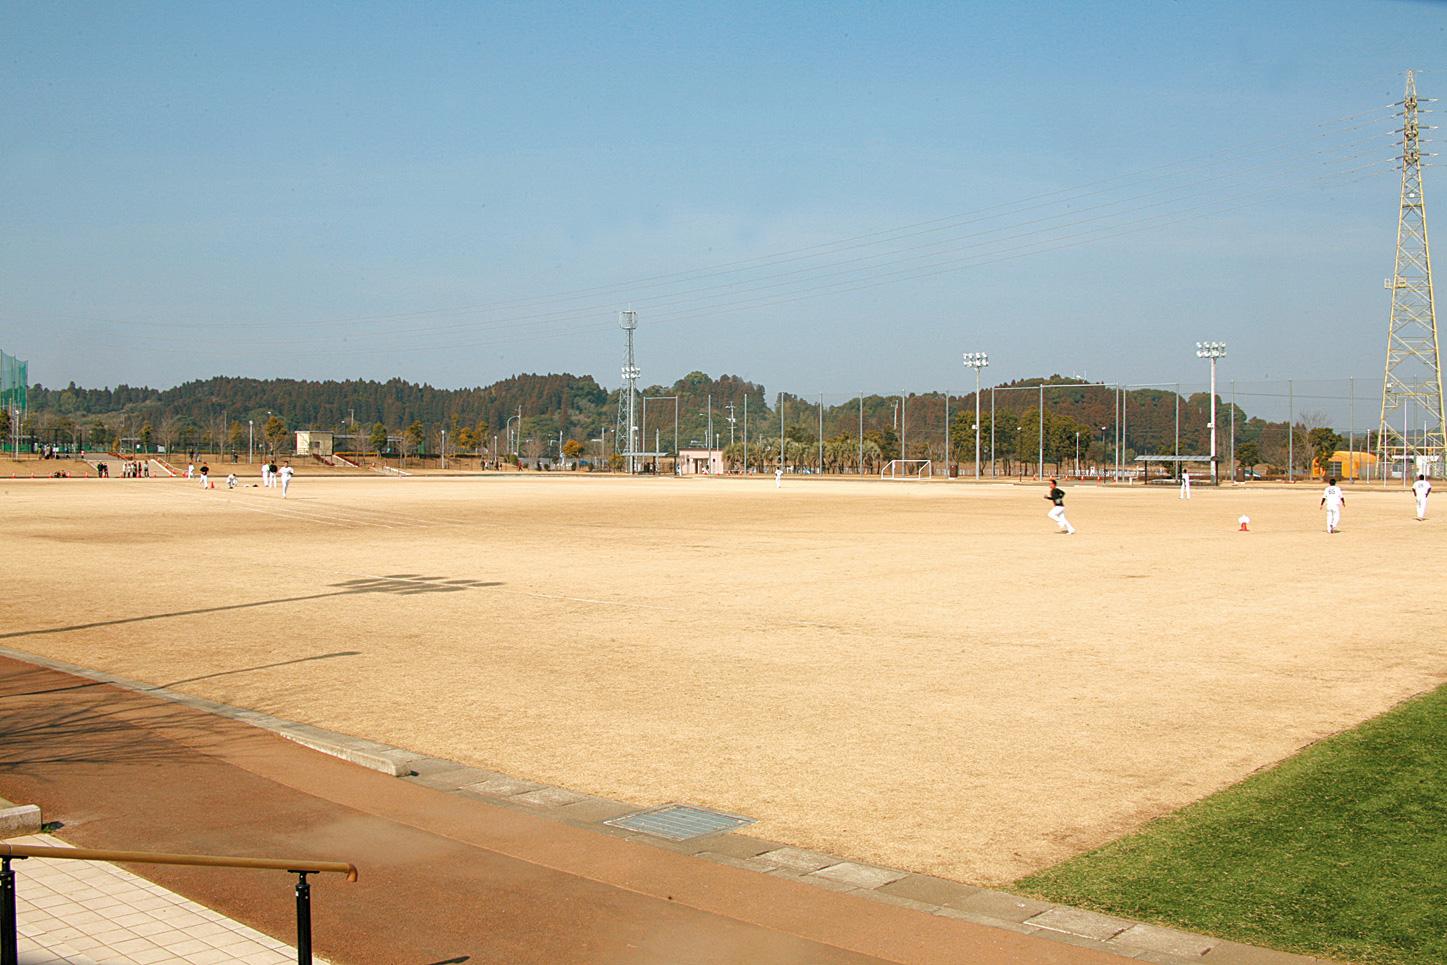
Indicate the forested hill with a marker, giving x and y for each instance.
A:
(328, 404)
(217, 411)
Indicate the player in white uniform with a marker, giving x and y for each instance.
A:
(286, 473)
(190, 471)
(1333, 499)
(778, 479)
(1185, 485)
(1057, 510)
(1421, 489)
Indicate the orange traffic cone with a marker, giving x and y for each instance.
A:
(1245, 522)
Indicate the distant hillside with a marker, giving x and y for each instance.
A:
(215, 412)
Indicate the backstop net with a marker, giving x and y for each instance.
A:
(14, 380)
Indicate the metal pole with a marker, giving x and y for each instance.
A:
(903, 452)
(303, 920)
(1233, 430)
(1178, 431)
(1124, 398)
(948, 454)
(1352, 431)
(1040, 458)
(977, 425)
(9, 942)
(746, 435)
(992, 432)
(861, 433)
(781, 430)
(710, 426)
(1290, 431)
(821, 433)
(675, 434)
(250, 440)
(1215, 478)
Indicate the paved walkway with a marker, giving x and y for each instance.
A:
(442, 876)
(94, 913)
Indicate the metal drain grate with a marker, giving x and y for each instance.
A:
(679, 822)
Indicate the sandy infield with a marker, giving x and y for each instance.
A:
(922, 675)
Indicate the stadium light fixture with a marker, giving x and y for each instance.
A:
(976, 361)
(1212, 351)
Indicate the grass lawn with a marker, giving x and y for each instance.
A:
(1340, 851)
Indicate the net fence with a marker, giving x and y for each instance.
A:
(1285, 428)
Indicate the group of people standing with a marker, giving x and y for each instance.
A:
(1333, 499)
(271, 476)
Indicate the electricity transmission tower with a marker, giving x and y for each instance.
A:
(628, 398)
(1414, 363)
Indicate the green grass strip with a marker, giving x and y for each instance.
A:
(1340, 851)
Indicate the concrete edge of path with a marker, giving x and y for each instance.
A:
(935, 896)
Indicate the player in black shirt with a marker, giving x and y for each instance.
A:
(1057, 509)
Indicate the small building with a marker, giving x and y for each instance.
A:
(1345, 464)
(310, 442)
(700, 462)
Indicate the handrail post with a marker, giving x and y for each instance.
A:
(303, 919)
(9, 942)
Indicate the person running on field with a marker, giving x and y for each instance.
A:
(1421, 489)
(1333, 499)
(286, 473)
(1057, 510)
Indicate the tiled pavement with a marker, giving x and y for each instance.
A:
(84, 912)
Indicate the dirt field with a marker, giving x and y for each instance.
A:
(923, 675)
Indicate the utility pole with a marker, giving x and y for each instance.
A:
(821, 432)
(746, 434)
(977, 361)
(710, 439)
(1414, 361)
(731, 421)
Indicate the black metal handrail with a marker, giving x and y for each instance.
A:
(9, 935)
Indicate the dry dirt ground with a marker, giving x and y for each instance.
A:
(920, 674)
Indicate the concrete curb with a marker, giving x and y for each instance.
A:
(21, 820)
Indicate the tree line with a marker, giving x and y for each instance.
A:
(532, 415)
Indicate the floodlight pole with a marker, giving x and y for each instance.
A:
(977, 361)
(821, 433)
(250, 440)
(1040, 464)
(1214, 351)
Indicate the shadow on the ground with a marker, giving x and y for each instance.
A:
(400, 584)
(177, 683)
(46, 735)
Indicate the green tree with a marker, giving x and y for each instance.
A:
(146, 433)
(378, 438)
(1324, 443)
(275, 433)
(414, 435)
(1248, 454)
(572, 448)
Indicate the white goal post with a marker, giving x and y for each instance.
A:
(907, 469)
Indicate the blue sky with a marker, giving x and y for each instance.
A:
(454, 193)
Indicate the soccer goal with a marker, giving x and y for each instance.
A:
(906, 469)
